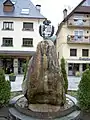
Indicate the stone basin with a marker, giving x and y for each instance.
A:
(41, 111)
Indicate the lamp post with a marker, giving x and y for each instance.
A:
(46, 30)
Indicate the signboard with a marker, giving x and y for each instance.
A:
(87, 59)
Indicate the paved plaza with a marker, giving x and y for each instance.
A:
(17, 85)
(73, 82)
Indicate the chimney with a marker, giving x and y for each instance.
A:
(65, 13)
(38, 7)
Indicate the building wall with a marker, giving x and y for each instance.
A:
(63, 47)
(17, 34)
(66, 50)
(61, 42)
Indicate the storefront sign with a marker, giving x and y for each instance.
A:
(87, 59)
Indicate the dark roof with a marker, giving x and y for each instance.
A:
(19, 5)
(83, 9)
(8, 1)
(68, 16)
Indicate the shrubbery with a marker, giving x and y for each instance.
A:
(4, 89)
(63, 71)
(84, 91)
(25, 67)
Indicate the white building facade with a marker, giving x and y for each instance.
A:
(19, 33)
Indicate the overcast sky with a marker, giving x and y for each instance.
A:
(53, 9)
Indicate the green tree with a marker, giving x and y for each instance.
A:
(63, 71)
(83, 93)
(5, 89)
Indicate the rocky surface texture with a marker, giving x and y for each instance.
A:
(44, 83)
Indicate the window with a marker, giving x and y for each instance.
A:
(7, 42)
(73, 52)
(78, 20)
(8, 6)
(27, 26)
(8, 25)
(78, 34)
(25, 11)
(85, 52)
(27, 42)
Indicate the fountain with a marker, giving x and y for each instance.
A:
(43, 92)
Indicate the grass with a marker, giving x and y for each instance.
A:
(16, 93)
(72, 93)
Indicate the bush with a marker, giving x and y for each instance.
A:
(12, 74)
(63, 71)
(25, 66)
(4, 89)
(84, 91)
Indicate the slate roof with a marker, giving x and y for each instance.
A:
(19, 5)
(83, 9)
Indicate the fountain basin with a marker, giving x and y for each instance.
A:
(19, 110)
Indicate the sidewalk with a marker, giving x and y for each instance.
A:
(17, 85)
(73, 82)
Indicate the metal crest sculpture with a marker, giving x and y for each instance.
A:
(46, 30)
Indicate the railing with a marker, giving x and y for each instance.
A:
(78, 39)
(79, 22)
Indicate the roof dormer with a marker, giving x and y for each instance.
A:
(8, 6)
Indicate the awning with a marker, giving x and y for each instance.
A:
(19, 53)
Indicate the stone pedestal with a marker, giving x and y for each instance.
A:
(44, 81)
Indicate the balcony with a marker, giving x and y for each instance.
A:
(78, 39)
(79, 23)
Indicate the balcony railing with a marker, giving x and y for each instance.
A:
(78, 39)
(79, 22)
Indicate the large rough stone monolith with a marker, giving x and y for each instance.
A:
(44, 83)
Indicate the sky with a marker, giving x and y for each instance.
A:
(53, 9)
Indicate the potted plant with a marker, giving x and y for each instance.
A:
(12, 77)
(77, 74)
